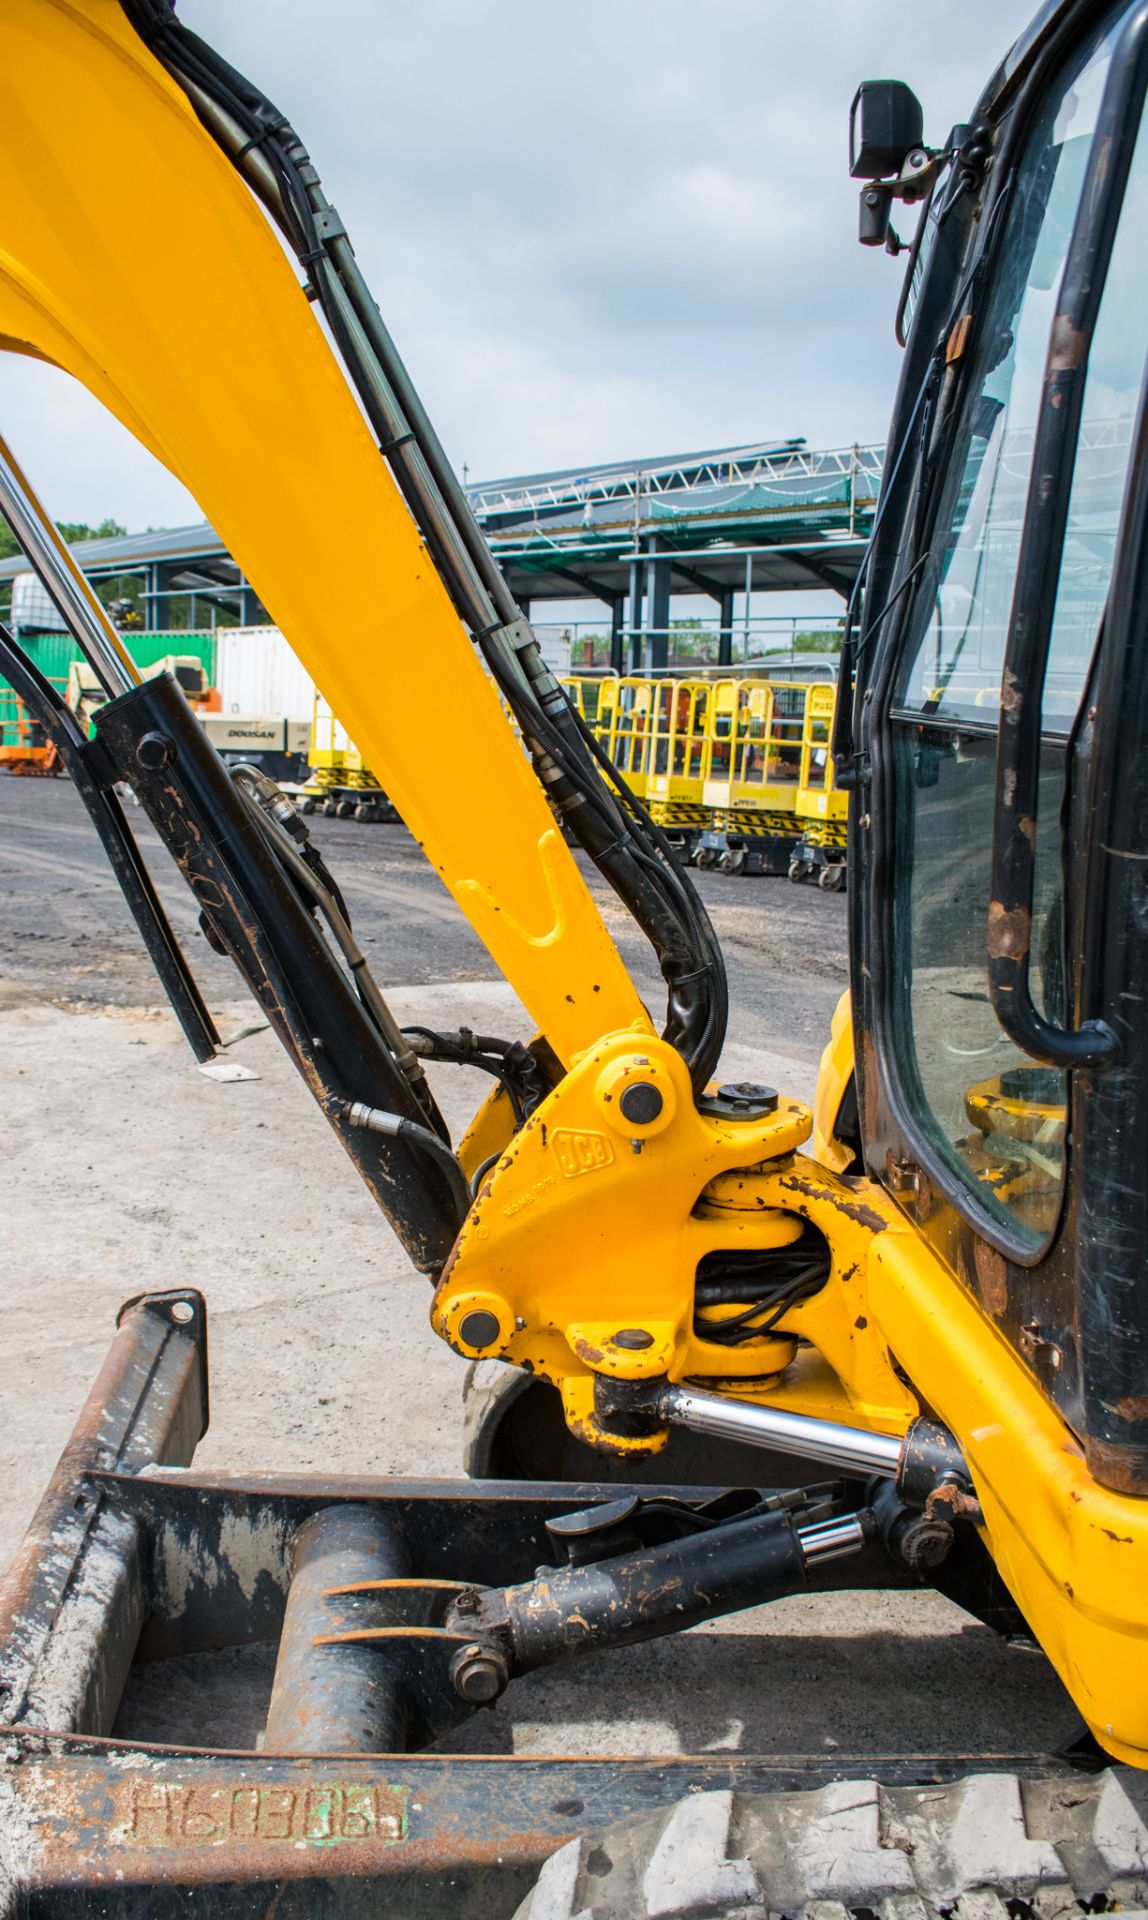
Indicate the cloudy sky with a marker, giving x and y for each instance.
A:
(597, 231)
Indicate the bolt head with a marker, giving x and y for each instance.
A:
(633, 1339)
(478, 1674)
(479, 1328)
(640, 1103)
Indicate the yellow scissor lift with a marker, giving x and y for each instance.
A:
(676, 759)
(655, 733)
(752, 772)
(821, 808)
(736, 771)
(623, 723)
(339, 782)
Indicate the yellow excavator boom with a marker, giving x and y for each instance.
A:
(107, 178)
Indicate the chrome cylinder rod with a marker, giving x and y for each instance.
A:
(833, 1539)
(772, 1427)
(70, 592)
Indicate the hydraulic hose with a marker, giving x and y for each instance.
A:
(397, 1127)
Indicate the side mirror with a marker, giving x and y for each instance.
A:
(886, 123)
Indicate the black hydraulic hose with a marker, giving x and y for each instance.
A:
(397, 1127)
(480, 1172)
(553, 730)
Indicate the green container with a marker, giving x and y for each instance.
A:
(53, 653)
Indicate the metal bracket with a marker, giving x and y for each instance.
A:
(133, 1554)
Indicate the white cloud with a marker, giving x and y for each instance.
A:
(621, 229)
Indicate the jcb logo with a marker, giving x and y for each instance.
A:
(581, 1152)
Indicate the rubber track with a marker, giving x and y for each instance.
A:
(993, 1846)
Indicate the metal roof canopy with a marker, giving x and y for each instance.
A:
(765, 518)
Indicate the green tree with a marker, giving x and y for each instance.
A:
(691, 640)
(72, 530)
(819, 640)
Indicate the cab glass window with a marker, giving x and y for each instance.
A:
(997, 1118)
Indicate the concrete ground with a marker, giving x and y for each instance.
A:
(127, 1169)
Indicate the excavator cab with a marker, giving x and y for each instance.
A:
(994, 743)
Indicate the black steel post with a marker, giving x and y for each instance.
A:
(68, 736)
(725, 628)
(1092, 1044)
(637, 594)
(659, 606)
(618, 633)
(160, 599)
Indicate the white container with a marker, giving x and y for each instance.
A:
(554, 646)
(257, 673)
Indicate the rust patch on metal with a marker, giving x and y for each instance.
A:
(922, 1194)
(1035, 1345)
(899, 1171)
(1121, 1539)
(1027, 826)
(1012, 693)
(1067, 346)
(992, 1277)
(1121, 1468)
(614, 1447)
(958, 339)
(852, 1209)
(958, 1504)
(1132, 1407)
(460, 1242)
(1009, 932)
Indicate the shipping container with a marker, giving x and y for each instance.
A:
(257, 673)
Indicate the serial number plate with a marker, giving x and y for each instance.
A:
(153, 1812)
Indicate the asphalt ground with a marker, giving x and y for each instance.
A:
(66, 935)
(126, 1169)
